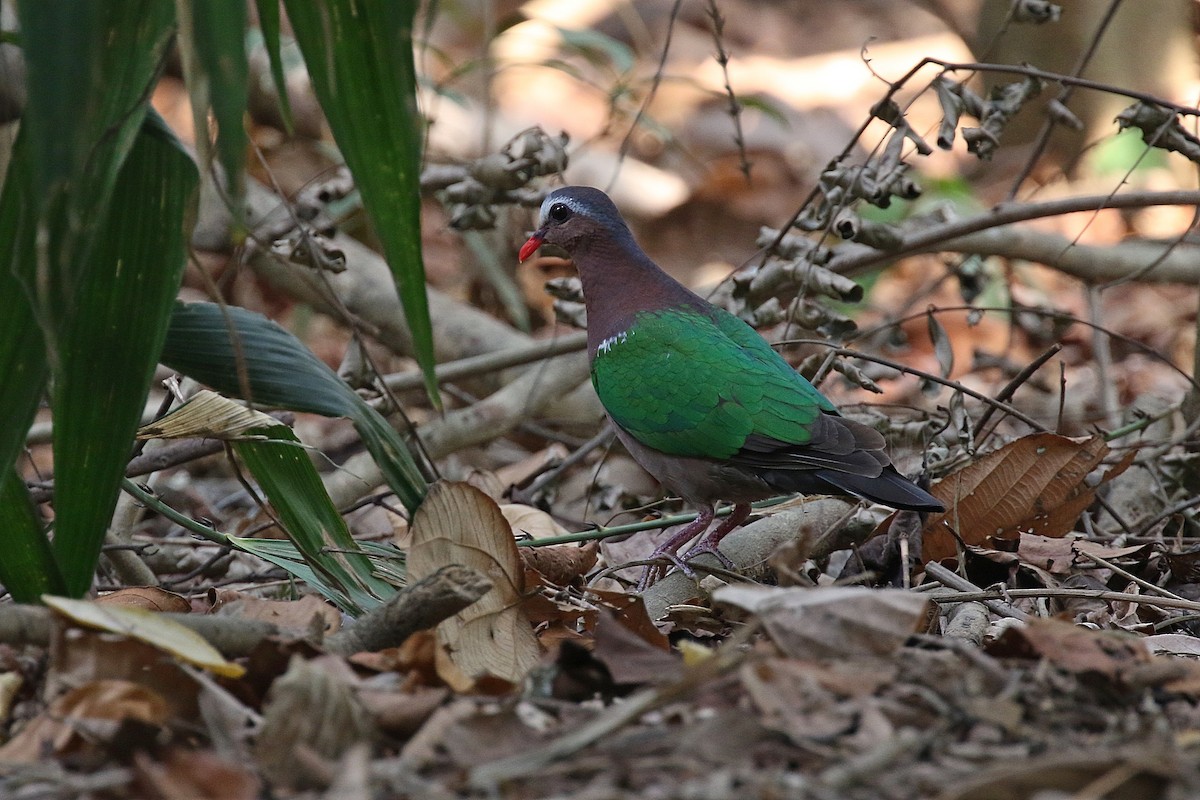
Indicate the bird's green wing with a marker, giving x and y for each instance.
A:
(688, 383)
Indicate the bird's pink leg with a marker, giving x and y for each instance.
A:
(709, 543)
(668, 549)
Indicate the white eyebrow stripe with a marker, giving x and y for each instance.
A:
(570, 202)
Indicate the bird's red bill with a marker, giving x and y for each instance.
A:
(527, 249)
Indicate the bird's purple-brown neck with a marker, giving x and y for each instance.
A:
(619, 280)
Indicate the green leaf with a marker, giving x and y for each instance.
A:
(260, 362)
(28, 569)
(109, 354)
(90, 70)
(23, 365)
(268, 23)
(212, 44)
(264, 364)
(360, 58)
(287, 477)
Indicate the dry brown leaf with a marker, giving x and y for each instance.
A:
(150, 598)
(630, 659)
(631, 611)
(1071, 647)
(311, 711)
(1059, 556)
(85, 715)
(830, 622)
(1034, 484)
(1173, 644)
(521, 472)
(561, 564)
(196, 775)
(458, 524)
(153, 629)
(806, 700)
(402, 713)
(298, 615)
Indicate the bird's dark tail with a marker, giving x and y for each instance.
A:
(890, 488)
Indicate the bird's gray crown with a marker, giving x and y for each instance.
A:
(583, 200)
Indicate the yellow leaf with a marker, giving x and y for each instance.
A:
(147, 626)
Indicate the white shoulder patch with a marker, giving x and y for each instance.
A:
(613, 341)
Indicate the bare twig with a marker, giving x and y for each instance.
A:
(956, 581)
(733, 107)
(944, 236)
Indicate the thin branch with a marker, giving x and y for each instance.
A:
(943, 236)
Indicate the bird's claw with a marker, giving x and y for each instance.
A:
(710, 548)
(657, 569)
(662, 561)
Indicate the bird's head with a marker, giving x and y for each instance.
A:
(572, 216)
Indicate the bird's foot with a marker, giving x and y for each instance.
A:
(657, 569)
(665, 556)
(705, 546)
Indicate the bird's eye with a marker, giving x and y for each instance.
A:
(559, 212)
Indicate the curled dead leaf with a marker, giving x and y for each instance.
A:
(492, 638)
(561, 564)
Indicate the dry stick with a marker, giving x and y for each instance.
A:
(948, 66)
(1167, 513)
(1154, 261)
(1010, 388)
(734, 108)
(1055, 77)
(1126, 340)
(1104, 362)
(490, 418)
(1145, 584)
(416, 607)
(988, 596)
(233, 636)
(929, 376)
(577, 455)
(956, 581)
(474, 366)
(940, 237)
(171, 455)
(818, 526)
(368, 290)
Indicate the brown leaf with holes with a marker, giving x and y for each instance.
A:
(492, 638)
(1035, 484)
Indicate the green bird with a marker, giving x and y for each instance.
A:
(698, 398)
